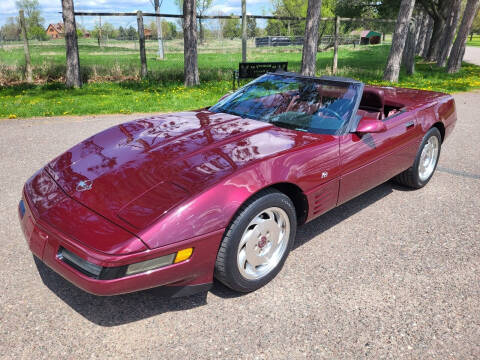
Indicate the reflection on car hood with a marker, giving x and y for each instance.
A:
(135, 172)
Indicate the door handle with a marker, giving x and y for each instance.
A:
(410, 125)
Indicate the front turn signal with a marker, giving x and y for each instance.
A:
(183, 255)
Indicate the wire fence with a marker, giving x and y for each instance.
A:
(109, 47)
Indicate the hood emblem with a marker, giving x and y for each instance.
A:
(84, 185)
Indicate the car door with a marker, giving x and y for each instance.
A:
(367, 160)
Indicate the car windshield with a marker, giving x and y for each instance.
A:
(304, 104)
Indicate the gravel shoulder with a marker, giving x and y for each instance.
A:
(407, 287)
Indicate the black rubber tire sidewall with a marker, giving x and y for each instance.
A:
(226, 269)
(415, 173)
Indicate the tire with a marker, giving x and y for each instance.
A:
(264, 227)
(414, 177)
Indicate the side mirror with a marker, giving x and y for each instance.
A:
(369, 125)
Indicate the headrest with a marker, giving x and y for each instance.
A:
(373, 98)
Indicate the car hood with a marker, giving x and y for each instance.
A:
(135, 172)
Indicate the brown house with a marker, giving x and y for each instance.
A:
(55, 31)
(147, 33)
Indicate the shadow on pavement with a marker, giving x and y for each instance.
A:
(115, 310)
(122, 309)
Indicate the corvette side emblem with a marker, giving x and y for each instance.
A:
(84, 185)
(324, 174)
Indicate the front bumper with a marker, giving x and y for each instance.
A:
(180, 279)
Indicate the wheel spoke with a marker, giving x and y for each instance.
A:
(263, 243)
(428, 158)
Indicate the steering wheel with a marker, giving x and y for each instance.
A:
(332, 112)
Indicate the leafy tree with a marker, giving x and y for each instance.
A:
(37, 32)
(295, 8)
(132, 33)
(10, 30)
(33, 18)
(202, 7)
(232, 28)
(122, 33)
(251, 27)
(169, 30)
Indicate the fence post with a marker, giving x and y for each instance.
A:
(141, 41)
(335, 46)
(244, 30)
(28, 65)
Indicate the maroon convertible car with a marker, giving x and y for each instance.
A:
(178, 199)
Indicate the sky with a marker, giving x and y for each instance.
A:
(51, 8)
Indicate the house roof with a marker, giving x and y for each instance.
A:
(369, 33)
(57, 27)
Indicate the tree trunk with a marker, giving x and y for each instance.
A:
(428, 37)
(449, 33)
(190, 43)
(72, 75)
(100, 39)
(158, 21)
(310, 45)
(392, 70)
(244, 31)
(26, 49)
(335, 46)
(141, 43)
(422, 33)
(440, 22)
(458, 49)
(418, 26)
(200, 27)
(408, 57)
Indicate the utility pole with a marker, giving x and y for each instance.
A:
(160, 54)
(244, 30)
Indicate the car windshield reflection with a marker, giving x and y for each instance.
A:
(299, 103)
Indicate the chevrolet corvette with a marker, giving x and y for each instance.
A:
(179, 199)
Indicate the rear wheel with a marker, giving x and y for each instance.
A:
(425, 162)
(257, 242)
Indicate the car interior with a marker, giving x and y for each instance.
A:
(373, 105)
(310, 98)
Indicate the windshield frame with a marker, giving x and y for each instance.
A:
(350, 123)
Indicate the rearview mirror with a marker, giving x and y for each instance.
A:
(369, 125)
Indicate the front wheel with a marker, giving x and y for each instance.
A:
(257, 242)
(425, 162)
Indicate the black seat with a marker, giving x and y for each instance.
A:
(373, 101)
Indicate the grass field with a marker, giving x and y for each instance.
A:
(475, 41)
(114, 86)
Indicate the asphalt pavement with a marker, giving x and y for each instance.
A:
(392, 274)
(472, 55)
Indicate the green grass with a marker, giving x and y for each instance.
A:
(475, 41)
(164, 90)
